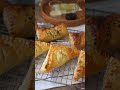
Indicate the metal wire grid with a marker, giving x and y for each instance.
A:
(62, 75)
(12, 79)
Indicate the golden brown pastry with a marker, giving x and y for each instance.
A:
(20, 20)
(80, 68)
(50, 34)
(77, 39)
(41, 47)
(14, 51)
(112, 75)
(57, 56)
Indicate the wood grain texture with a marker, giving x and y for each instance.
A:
(45, 9)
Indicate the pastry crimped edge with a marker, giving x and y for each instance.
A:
(41, 47)
(77, 39)
(42, 33)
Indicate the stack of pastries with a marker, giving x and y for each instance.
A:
(59, 54)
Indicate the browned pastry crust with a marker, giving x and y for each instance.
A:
(19, 20)
(41, 47)
(14, 51)
(77, 39)
(112, 23)
(50, 34)
(57, 56)
(112, 75)
(95, 62)
(80, 68)
(107, 35)
(101, 32)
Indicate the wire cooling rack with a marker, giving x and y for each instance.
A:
(62, 75)
(13, 79)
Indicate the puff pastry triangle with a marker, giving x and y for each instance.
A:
(51, 34)
(80, 68)
(57, 56)
(77, 39)
(40, 47)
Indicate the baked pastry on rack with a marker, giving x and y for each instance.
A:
(57, 56)
(77, 39)
(112, 75)
(20, 20)
(14, 51)
(80, 68)
(50, 34)
(41, 47)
